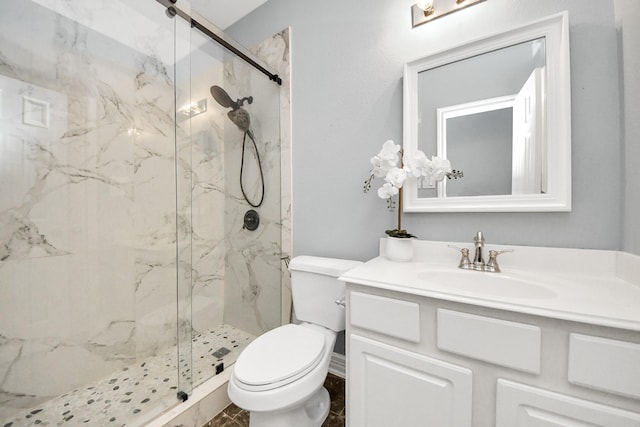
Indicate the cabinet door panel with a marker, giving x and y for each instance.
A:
(394, 387)
(622, 360)
(520, 405)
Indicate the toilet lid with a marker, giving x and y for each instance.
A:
(279, 356)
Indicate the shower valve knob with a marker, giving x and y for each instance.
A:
(251, 220)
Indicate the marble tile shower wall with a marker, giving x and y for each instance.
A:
(237, 268)
(253, 264)
(87, 213)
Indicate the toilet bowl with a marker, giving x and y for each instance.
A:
(279, 377)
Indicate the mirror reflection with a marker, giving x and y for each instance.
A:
(470, 136)
(485, 114)
(499, 109)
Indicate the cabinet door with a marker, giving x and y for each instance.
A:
(520, 405)
(389, 386)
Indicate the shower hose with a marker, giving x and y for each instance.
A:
(244, 194)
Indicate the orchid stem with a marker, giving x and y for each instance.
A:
(400, 209)
(400, 194)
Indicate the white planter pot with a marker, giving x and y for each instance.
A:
(399, 249)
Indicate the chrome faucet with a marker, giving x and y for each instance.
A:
(478, 260)
(478, 263)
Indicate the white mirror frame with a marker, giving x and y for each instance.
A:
(557, 118)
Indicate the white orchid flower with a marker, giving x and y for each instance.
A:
(387, 190)
(386, 159)
(379, 169)
(438, 169)
(396, 176)
(389, 165)
(390, 154)
(418, 165)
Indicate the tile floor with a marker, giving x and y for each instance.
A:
(233, 416)
(135, 394)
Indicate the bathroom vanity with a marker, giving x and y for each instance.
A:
(552, 340)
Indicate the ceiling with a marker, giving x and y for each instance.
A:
(223, 13)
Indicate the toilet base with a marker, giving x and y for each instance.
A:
(311, 413)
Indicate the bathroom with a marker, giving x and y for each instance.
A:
(346, 99)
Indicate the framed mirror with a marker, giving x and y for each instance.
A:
(499, 108)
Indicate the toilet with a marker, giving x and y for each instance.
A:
(279, 376)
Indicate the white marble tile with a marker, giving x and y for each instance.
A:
(275, 52)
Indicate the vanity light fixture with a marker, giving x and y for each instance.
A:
(426, 6)
(428, 10)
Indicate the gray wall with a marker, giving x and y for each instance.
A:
(347, 61)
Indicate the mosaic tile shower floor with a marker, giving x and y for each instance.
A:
(139, 393)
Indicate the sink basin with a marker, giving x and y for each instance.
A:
(481, 283)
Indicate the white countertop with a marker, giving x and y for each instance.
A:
(590, 286)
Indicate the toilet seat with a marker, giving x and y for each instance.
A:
(279, 357)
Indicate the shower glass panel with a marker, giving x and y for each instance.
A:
(236, 271)
(87, 212)
(184, 183)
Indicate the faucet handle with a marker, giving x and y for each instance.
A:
(501, 252)
(465, 262)
(492, 265)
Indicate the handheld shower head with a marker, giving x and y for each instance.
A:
(241, 119)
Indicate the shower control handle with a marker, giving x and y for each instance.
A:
(251, 220)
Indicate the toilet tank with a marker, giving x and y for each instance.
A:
(315, 288)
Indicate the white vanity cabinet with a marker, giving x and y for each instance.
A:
(414, 360)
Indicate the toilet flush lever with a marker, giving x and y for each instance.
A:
(341, 302)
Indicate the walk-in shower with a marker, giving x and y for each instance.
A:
(127, 276)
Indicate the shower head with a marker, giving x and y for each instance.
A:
(223, 98)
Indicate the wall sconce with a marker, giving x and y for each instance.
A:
(428, 10)
(194, 108)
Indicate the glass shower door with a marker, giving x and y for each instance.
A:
(184, 199)
(235, 212)
(87, 212)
